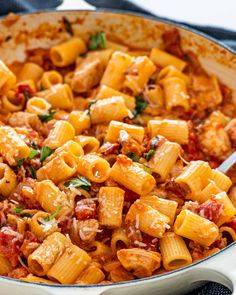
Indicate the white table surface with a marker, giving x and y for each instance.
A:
(221, 13)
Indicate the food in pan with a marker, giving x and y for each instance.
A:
(109, 162)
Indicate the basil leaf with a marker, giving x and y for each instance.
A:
(80, 181)
(45, 152)
(68, 26)
(20, 162)
(32, 171)
(98, 41)
(51, 217)
(150, 154)
(33, 153)
(47, 117)
(140, 106)
(133, 157)
(18, 209)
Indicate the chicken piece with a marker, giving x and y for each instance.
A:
(231, 131)
(214, 140)
(87, 75)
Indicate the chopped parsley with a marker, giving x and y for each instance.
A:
(51, 217)
(45, 152)
(98, 41)
(140, 106)
(18, 209)
(20, 162)
(149, 155)
(133, 157)
(47, 117)
(32, 154)
(90, 104)
(34, 145)
(67, 26)
(32, 171)
(27, 215)
(80, 181)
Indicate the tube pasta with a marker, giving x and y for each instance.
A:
(108, 92)
(114, 128)
(221, 180)
(171, 71)
(164, 59)
(147, 219)
(7, 78)
(175, 93)
(155, 95)
(228, 208)
(64, 163)
(91, 275)
(166, 207)
(12, 147)
(164, 159)
(7, 180)
(206, 193)
(143, 68)
(59, 96)
(228, 230)
(10, 103)
(50, 79)
(194, 227)
(41, 260)
(66, 53)
(132, 176)
(60, 134)
(40, 227)
(107, 109)
(174, 251)
(89, 144)
(30, 71)
(173, 130)
(93, 167)
(111, 201)
(141, 262)
(37, 105)
(69, 266)
(51, 198)
(196, 175)
(5, 266)
(33, 279)
(79, 120)
(114, 75)
(119, 237)
(101, 253)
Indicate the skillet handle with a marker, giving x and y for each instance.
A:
(220, 268)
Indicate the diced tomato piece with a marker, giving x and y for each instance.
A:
(24, 92)
(85, 209)
(109, 148)
(10, 243)
(211, 210)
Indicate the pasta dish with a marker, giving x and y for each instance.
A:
(108, 162)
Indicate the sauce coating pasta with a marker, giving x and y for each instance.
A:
(108, 162)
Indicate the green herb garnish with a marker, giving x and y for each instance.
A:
(80, 181)
(32, 171)
(33, 153)
(27, 94)
(149, 155)
(141, 105)
(47, 117)
(34, 145)
(90, 104)
(20, 162)
(133, 157)
(51, 217)
(18, 209)
(98, 41)
(27, 215)
(68, 26)
(45, 152)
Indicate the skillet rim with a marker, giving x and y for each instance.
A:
(152, 18)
